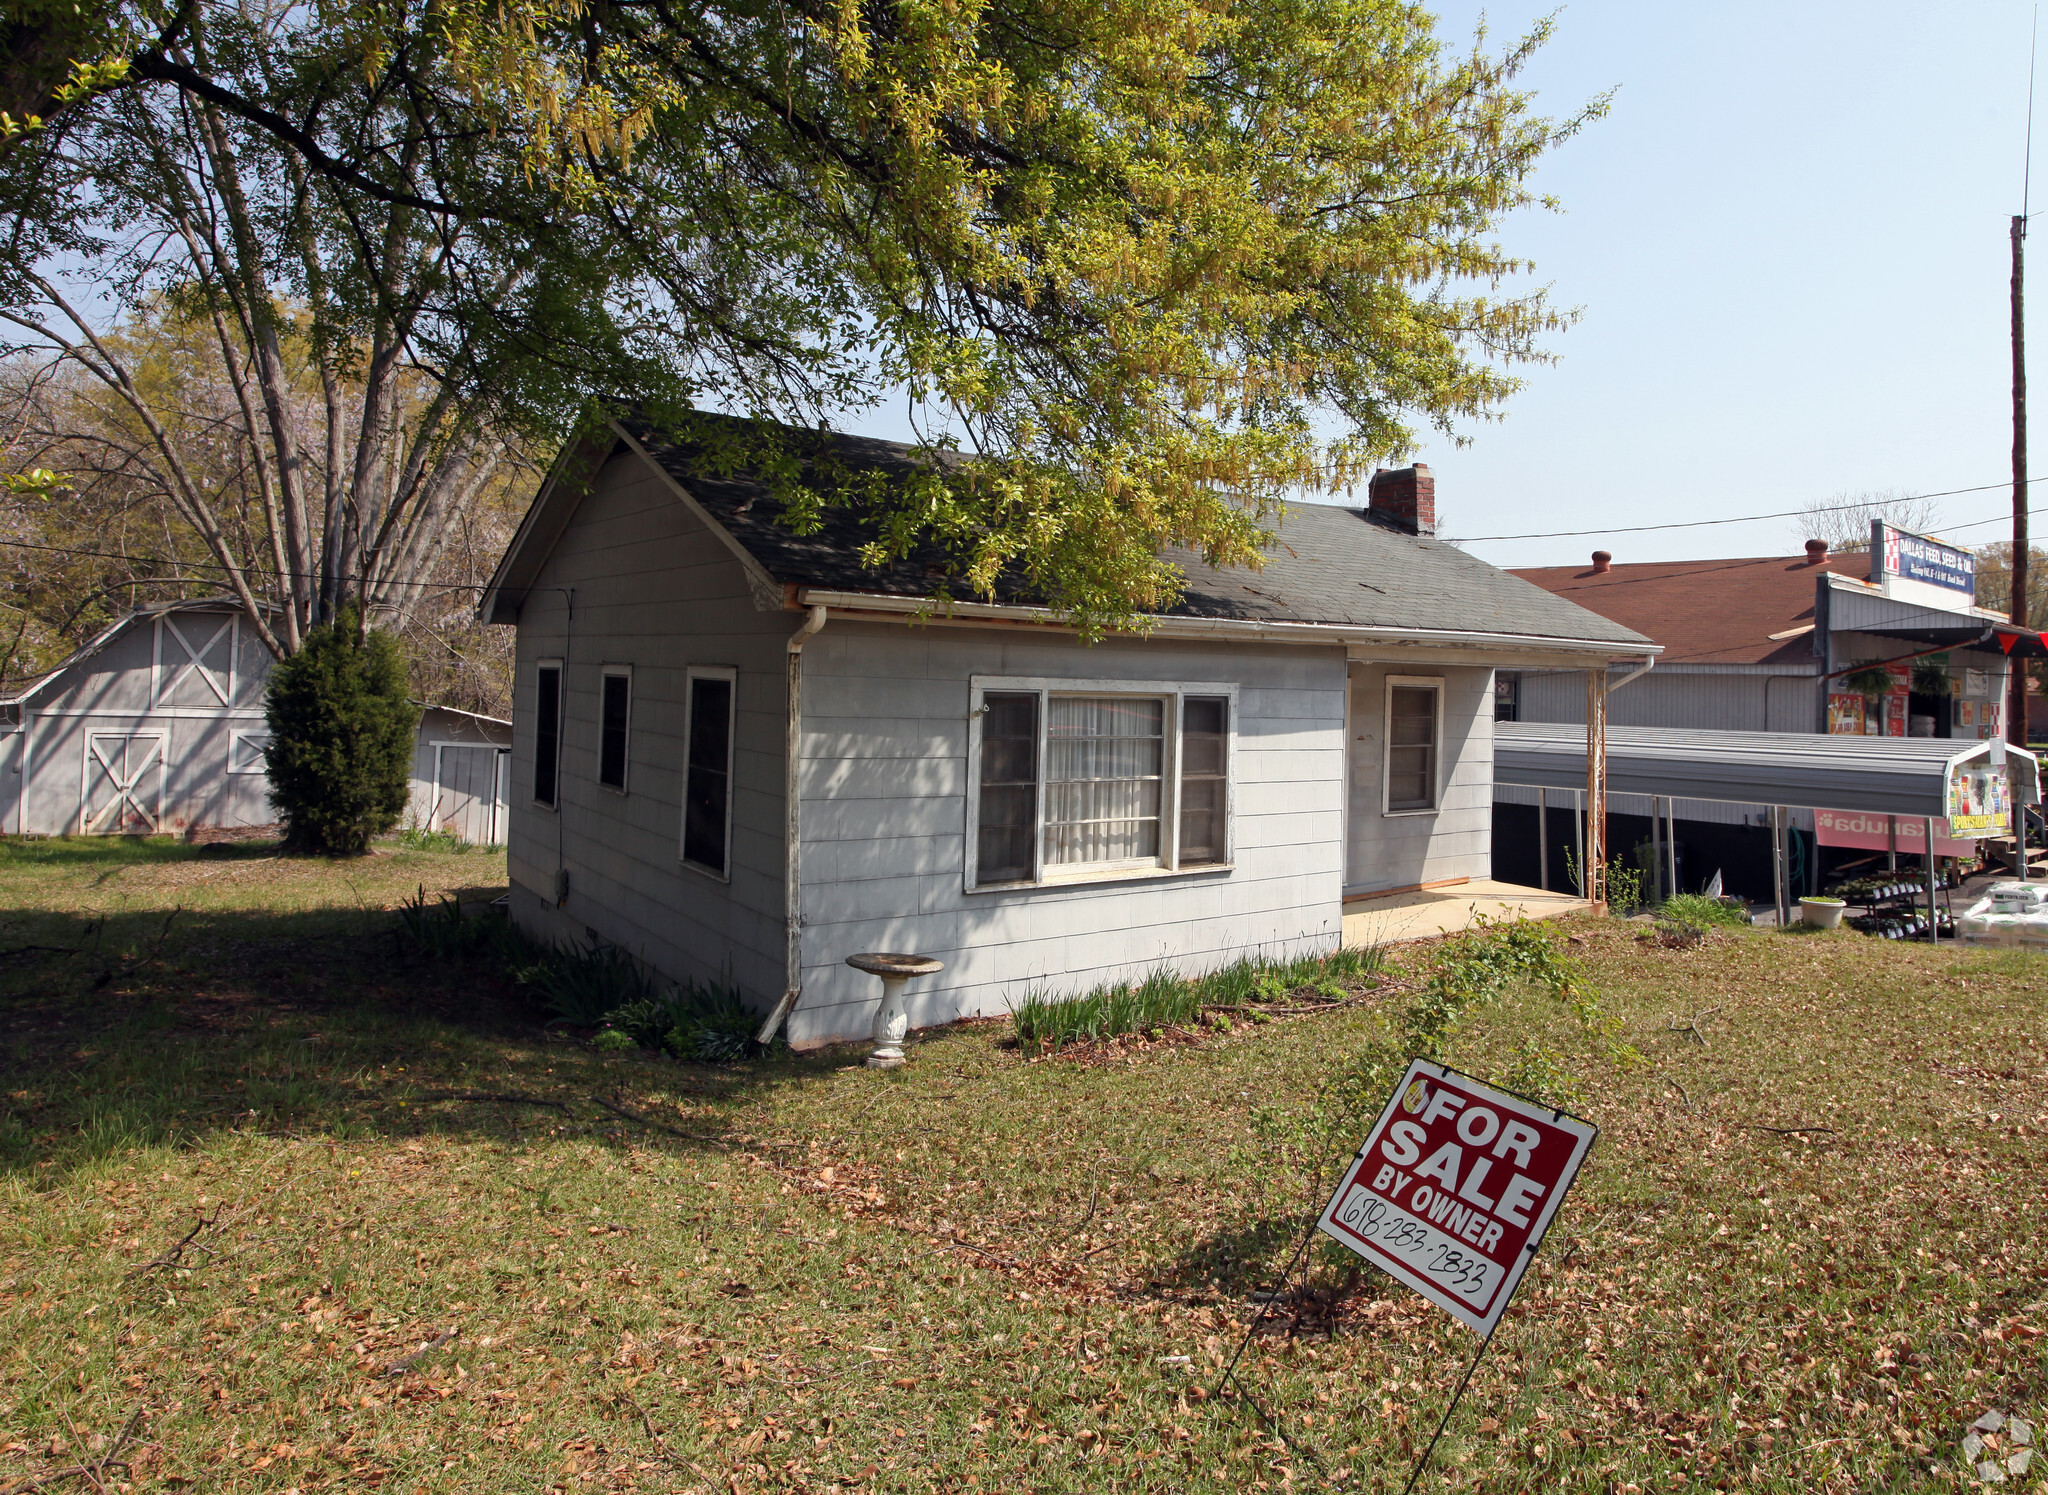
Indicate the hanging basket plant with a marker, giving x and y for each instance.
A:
(1930, 677)
(1873, 682)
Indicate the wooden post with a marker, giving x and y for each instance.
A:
(1543, 839)
(1596, 789)
(1671, 842)
(1933, 914)
(2016, 692)
(1656, 849)
(1778, 865)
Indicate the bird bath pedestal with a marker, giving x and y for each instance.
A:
(892, 1022)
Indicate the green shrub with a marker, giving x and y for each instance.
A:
(1045, 1022)
(710, 1024)
(341, 739)
(442, 931)
(1698, 911)
(583, 987)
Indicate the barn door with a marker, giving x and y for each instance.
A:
(466, 790)
(123, 786)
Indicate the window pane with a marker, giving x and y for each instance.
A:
(1205, 722)
(611, 755)
(1105, 759)
(707, 785)
(1507, 697)
(1009, 789)
(1411, 748)
(547, 730)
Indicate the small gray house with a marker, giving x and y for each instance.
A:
(742, 754)
(155, 727)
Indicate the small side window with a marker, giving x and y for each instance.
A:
(1507, 696)
(1412, 747)
(1005, 849)
(547, 732)
(707, 779)
(1204, 779)
(614, 715)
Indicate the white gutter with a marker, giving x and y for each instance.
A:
(792, 804)
(1649, 661)
(1233, 630)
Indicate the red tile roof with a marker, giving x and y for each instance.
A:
(1706, 612)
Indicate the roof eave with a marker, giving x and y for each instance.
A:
(1235, 630)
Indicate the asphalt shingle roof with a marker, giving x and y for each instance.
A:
(1328, 564)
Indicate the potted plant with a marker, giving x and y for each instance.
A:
(1822, 913)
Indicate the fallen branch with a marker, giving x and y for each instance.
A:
(38, 949)
(1006, 1261)
(673, 1131)
(508, 1097)
(405, 1363)
(174, 1256)
(1782, 1131)
(92, 1471)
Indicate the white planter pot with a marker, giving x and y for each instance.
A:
(1822, 913)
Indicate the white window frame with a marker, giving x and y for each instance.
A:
(236, 738)
(731, 675)
(561, 715)
(1436, 789)
(615, 672)
(1173, 694)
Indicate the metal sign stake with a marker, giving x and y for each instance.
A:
(1456, 1397)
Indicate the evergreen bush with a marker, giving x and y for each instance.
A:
(341, 739)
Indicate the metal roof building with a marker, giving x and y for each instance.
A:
(1887, 775)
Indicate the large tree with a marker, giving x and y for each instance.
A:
(1150, 264)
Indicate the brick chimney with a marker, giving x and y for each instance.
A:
(1406, 496)
(1816, 552)
(1602, 562)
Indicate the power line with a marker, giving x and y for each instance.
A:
(182, 561)
(1637, 529)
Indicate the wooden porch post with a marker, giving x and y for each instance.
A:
(1596, 789)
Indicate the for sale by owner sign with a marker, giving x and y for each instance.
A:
(1454, 1187)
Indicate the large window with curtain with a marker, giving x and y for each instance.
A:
(1075, 781)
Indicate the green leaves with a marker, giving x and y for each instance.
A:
(1150, 266)
(341, 746)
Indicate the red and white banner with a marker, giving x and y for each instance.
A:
(1454, 1187)
(1865, 830)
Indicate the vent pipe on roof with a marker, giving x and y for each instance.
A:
(1406, 496)
(1816, 552)
(1602, 562)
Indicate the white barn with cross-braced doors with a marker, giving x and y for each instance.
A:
(156, 727)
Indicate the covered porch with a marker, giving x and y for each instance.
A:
(1422, 913)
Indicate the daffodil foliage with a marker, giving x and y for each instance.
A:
(1149, 265)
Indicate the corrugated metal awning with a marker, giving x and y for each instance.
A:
(1889, 775)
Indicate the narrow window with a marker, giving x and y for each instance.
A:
(707, 790)
(1507, 697)
(1204, 739)
(1411, 747)
(547, 732)
(1105, 760)
(1009, 788)
(614, 709)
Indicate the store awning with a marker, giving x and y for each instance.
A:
(1854, 607)
(1888, 775)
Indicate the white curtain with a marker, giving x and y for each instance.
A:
(1105, 757)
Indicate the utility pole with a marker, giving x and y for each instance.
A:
(2016, 705)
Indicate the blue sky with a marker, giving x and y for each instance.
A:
(1788, 241)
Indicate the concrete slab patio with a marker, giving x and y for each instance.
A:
(1393, 918)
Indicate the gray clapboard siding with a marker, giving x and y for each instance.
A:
(1400, 851)
(651, 588)
(885, 781)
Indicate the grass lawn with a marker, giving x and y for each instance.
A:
(294, 1209)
